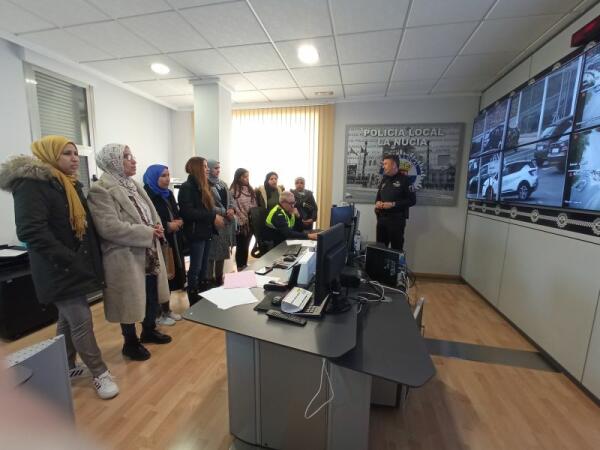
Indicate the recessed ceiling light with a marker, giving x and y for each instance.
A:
(160, 69)
(30, 81)
(308, 54)
(324, 93)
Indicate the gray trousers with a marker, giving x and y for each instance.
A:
(75, 323)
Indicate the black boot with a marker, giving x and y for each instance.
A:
(134, 350)
(155, 337)
(193, 296)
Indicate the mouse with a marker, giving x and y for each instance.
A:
(289, 258)
(276, 300)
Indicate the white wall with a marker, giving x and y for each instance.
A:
(182, 126)
(434, 234)
(120, 116)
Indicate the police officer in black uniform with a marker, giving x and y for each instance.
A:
(394, 197)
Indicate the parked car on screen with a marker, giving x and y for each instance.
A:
(557, 153)
(493, 139)
(590, 79)
(519, 178)
(551, 136)
(489, 190)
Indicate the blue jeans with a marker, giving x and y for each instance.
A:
(198, 263)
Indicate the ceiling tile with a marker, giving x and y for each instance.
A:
(519, 8)
(203, 62)
(166, 31)
(113, 38)
(17, 20)
(481, 65)
(158, 88)
(368, 47)
(310, 92)
(180, 101)
(120, 8)
(318, 76)
(253, 58)
(366, 73)
(325, 47)
(413, 87)
(66, 45)
(437, 40)
(492, 35)
(461, 85)
(189, 3)
(294, 19)
(274, 79)
(435, 12)
(420, 69)
(283, 94)
(358, 90)
(64, 12)
(236, 82)
(138, 69)
(248, 97)
(351, 16)
(226, 24)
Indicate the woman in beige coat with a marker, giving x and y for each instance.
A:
(130, 232)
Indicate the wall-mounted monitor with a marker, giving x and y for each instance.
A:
(588, 109)
(495, 124)
(489, 175)
(473, 178)
(583, 171)
(478, 131)
(545, 108)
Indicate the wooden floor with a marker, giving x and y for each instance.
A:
(178, 399)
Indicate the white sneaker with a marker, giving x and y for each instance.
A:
(105, 386)
(173, 315)
(165, 320)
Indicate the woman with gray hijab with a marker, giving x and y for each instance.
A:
(220, 248)
(130, 232)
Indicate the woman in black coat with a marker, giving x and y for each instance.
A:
(156, 184)
(54, 221)
(200, 222)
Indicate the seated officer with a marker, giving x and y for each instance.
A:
(283, 221)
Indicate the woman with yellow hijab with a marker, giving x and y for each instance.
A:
(53, 220)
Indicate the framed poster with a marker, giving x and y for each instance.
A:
(430, 154)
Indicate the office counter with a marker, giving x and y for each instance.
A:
(275, 368)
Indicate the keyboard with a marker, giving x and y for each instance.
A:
(293, 250)
(298, 297)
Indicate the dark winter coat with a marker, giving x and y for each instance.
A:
(168, 210)
(62, 266)
(198, 221)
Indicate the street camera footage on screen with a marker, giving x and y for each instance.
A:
(526, 149)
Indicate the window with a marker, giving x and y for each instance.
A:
(61, 106)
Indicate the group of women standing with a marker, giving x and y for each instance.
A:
(127, 239)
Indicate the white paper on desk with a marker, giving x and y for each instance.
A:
(261, 280)
(10, 253)
(309, 244)
(294, 242)
(228, 298)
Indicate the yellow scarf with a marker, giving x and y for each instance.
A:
(48, 150)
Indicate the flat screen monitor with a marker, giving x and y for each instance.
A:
(473, 178)
(588, 109)
(582, 189)
(477, 139)
(341, 214)
(545, 108)
(489, 174)
(495, 123)
(331, 258)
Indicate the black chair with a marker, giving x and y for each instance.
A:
(258, 216)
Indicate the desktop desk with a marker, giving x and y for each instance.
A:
(274, 369)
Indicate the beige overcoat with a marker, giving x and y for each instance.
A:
(124, 240)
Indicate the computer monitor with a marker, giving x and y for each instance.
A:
(348, 216)
(331, 259)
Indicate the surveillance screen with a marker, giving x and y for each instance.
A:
(495, 121)
(545, 108)
(489, 172)
(588, 111)
(583, 172)
(478, 129)
(535, 173)
(473, 178)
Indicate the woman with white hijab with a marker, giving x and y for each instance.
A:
(130, 231)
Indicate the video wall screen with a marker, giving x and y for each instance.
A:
(583, 171)
(545, 108)
(588, 110)
(549, 154)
